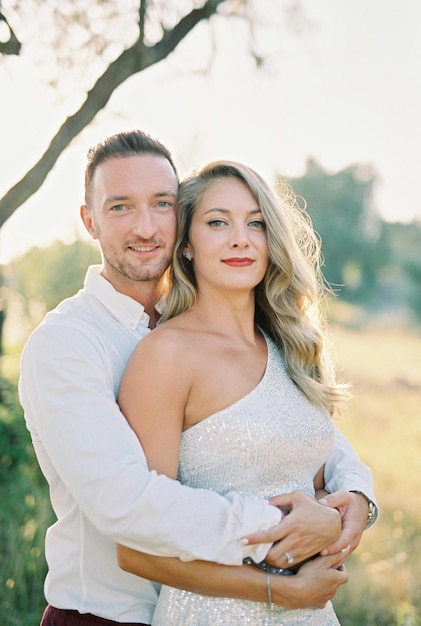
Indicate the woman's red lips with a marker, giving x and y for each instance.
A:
(238, 262)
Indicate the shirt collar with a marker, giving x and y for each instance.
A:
(124, 308)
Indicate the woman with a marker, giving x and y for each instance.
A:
(246, 397)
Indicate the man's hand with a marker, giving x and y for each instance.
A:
(306, 530)
(315, 584)
(353, 508)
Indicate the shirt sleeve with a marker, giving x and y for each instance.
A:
(93, 460)
(345, 471)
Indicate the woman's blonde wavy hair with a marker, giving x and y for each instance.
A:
(289, 300)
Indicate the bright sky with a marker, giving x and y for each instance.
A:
(347, 91)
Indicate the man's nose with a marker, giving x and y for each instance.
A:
(144, 223)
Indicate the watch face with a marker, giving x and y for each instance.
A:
(371, 516)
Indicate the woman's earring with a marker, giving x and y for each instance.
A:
(187, 254)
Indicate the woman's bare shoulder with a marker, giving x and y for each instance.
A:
(169, 340)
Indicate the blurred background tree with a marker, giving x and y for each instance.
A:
(342, 212)
(367, 261)
(45, 276)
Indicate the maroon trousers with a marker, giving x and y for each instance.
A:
(64, 617)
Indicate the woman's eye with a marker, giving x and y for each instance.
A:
(257, 224)
(216, 223)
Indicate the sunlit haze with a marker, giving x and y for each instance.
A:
(346, 90)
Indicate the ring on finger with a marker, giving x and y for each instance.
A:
(289, 558)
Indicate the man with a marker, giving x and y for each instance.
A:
(101, 489)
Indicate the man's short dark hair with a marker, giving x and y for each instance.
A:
(120, 146)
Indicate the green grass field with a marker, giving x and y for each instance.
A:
(383, 422)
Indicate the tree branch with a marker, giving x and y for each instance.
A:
(130, 62)
(12, 45)
(143, 5)
(173, 37)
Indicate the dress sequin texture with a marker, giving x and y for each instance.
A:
(271, 441)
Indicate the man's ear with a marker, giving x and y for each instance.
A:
(86, 216)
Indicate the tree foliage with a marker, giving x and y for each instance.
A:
(45, 276)
(403, 276)
(341, 208)
(366, 260)
(25, 515)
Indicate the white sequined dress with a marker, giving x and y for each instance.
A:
(271, 441)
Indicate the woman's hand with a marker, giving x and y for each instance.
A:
(307, 528)
(315, 584)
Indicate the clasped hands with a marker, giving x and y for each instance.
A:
(332, 525)
(327, 530)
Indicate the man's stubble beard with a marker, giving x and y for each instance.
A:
(142, 273)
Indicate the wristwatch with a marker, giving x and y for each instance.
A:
(372, 509)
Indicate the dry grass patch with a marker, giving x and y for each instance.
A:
(383, 422)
